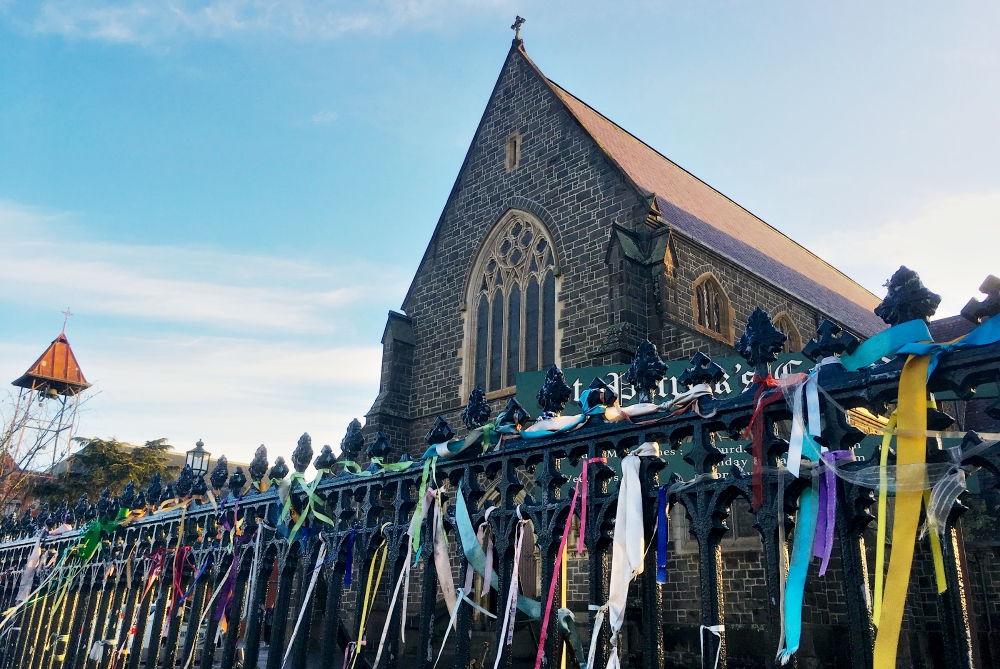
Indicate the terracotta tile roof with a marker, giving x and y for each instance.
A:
(56, 368)
(695, 208)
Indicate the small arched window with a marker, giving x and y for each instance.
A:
(712, 311)
(511, 304)
(784, 324)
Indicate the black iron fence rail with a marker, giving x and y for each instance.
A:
(86, 613)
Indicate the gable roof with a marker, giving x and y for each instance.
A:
(56, 368)
(696, 209)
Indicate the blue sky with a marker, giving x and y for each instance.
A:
(230, 194)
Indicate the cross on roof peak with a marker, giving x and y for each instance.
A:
(66, 315)
(518, 22)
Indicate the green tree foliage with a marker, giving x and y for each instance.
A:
(106, 463)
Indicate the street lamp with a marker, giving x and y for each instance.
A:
(198, 459)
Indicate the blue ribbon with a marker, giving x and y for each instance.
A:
(802, 550)
(886, 344)
(987, 333)
(350, 557)
(661, 535)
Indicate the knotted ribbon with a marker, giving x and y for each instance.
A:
(629, 543)
(510, 608)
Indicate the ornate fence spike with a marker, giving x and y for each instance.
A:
(114, 508)
(237, 482)
(303, 453)
(80, 510)
(103, 502)
(646, 371)
(907, 299)
(513, 415)
(978, 311)
(325, 459)
(62, 511)
(761, 342)
(198, 486)
(554, 393)
(258, 466)
(219, 474)
(380, 446)
(440, 433)
(128, 495)
(43, 515)
(139, 502)
(702, 370)
(184, 482)
(830, 340)
(153, 491)
(279, 470)
(353, 441)
(477, 412)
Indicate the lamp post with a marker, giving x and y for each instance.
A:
(198, 459)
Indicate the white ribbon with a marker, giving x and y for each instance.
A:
(28, 574)
(629, 543)
(441, 562)
(685, 398)
(810, 423)
(305, 600)
(598, 622)
(404, 577)
(717, 630)
(507, 629)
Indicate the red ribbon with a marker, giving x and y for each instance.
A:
(768, 392)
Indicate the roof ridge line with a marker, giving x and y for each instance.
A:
(693, 176)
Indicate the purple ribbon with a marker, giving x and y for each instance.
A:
(661, 535)
(226, 596)
(823, 545)
(350, 558)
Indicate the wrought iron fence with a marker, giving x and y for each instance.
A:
(148, 579)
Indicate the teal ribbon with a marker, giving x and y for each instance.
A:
(456, 446)
(477, 558)
(988, 332)
(581, 419)
(886, 344)
(802, 550)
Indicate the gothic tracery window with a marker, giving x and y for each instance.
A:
(712, 311)
(784, 324)
(512, 300)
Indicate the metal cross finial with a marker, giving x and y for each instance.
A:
(67, 314)
(518, 22)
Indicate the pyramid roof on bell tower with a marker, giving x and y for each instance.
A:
(57, 368)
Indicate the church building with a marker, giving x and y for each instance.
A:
(567, 240)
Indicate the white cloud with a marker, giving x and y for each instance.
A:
(951, 242)
(151, 21)
(174, 283)
(281, 366)
(325, 117)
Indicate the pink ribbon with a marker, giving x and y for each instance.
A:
(583, 505)
(555, 572)
(827, 520)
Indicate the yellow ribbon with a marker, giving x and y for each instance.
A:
(370, 593)
(883, 483)
(910, 450)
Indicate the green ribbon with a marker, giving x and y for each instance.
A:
(312, 500)
(91, 539)
(481, 435)
(418, 512)
(355, 469)
(477, 558)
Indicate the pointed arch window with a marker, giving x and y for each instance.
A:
(784, 324)
(712, 309)
(511, 304)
